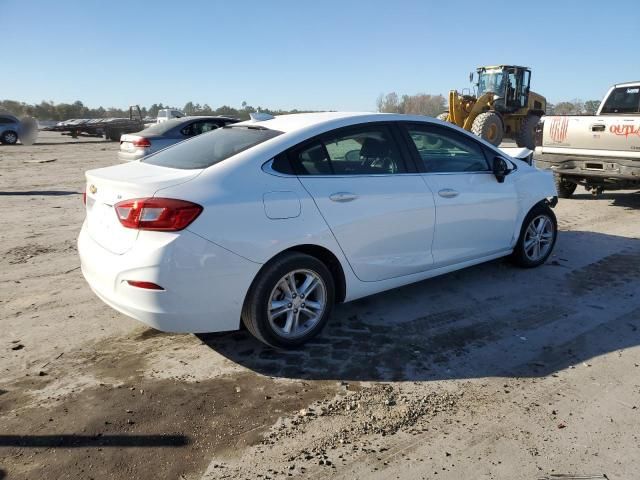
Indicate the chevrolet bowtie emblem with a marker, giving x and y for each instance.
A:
(93, 189)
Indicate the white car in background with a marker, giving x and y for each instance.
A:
(272, 221)
(167, 114)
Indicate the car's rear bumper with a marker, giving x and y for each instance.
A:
(592, 170)
(204, 285)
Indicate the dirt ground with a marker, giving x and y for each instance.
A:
(488, 373)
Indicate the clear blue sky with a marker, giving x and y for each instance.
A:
(307, 54)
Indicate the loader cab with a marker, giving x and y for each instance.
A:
(510, 83)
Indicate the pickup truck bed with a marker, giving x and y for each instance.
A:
(602, 151)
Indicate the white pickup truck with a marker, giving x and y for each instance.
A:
(601, 151)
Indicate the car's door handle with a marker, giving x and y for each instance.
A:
(343, 197)
(448, 193)
(598, 127)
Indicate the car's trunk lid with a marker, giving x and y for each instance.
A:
(126, 142)
(108, 186)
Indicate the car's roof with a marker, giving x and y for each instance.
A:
(299, 121)
(627, 84)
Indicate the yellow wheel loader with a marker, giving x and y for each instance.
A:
(503, 107)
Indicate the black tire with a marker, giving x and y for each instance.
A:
(564, 187)
(9, 137)
(256, 305)
(443, 116)
(526, 137)
(114, 135)
(519, 255)
(488, 126)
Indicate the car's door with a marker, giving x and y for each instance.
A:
(381, 213)
(475, 214)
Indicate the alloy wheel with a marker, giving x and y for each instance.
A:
(538, 238)
(297, 303)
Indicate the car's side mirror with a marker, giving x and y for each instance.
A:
(500, 169)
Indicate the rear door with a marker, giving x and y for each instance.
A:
(381, 213)
(475, 214)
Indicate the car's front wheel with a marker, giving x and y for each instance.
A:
(9, 138)
(537, 237)
(290, 301)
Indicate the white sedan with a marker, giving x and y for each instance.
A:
(270, 222)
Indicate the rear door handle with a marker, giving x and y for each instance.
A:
(448, 193)
(343, 197)
(598, 127)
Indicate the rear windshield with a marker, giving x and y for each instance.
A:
(210, 148)
(161, 128)
(623, 100)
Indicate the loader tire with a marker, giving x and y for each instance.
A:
(526, 137)
(488, 126)
(443, 116)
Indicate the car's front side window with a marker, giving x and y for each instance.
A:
(443, 150)
(367, 150)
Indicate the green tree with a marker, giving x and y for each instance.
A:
(591, 106)
(189, 108)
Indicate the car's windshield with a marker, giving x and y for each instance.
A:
(210, 148)
(491, 81)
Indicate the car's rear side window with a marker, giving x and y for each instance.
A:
(210, 148)
(362, 150)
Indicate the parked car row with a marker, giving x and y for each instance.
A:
(271, 221)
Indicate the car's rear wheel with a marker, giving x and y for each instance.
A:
(9, 138)
(537, 237)
(290, 301)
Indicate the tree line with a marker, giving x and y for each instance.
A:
(419, 104)
(433, 105)
(48, 110)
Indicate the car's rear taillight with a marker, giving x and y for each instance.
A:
(84, 196)
(166, 214)
(144, 285)
(141, 142)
